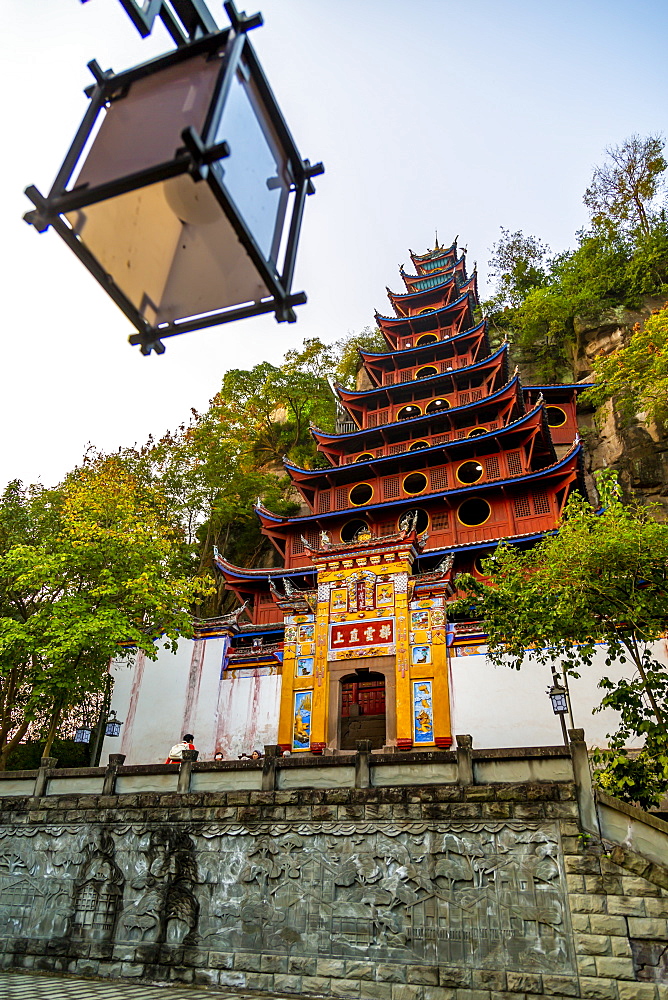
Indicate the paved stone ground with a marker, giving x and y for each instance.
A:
(26, 986)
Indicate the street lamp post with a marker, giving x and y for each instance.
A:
(557, 695)
(183, 191)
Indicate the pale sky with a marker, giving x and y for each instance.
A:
(428, 114)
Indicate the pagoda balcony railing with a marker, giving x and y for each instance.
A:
(441, 367)
(453, 475)
(428, 441)
(528, 514)
(376, 418)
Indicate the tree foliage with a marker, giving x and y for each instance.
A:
(624, 189)
(620, 258)
(636, 375)
(84, 568)
(602, 578)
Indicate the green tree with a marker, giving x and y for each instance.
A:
(602, 578)
(348, 361)
(636, 375)
(623, 191)
(84, 568)
(520, 264)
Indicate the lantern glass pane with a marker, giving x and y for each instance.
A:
(82, 736)
(255, 174)
(112, 729)
(559, 703)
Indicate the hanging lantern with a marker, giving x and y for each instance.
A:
(183, 191)
(113, 726)
(83, 735)
(557, 695)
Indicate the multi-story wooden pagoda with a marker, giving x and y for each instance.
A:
(440, 456)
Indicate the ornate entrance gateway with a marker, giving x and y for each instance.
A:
(362, 709)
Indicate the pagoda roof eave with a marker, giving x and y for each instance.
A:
(434, 312)
(425, 347)
(578, 386)
(435, 253)
(473, 546)
(448, 279)
(229, 569)
(324, 436)
(575, 451)
(502, 431)
(345, 394)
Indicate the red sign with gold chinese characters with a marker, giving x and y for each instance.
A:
(352, 635)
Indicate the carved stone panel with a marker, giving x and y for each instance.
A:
(484, 894)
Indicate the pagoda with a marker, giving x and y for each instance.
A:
(438, 454)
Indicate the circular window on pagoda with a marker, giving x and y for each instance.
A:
(556, 417)
(426, 372)
(406, 412)
(477, 431)
(477, 564)
(426, 338)
(415, 483)
(474, 512)
(422, 521)
(469, 473)
(436, 405)
(366, 457)
(419, 445)
(360, 494)
(352, 528)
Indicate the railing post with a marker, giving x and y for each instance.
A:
(115, 761)
(584, 787)
(42, 779)
(271, 753)
(464, 759)
(362, 766)
(187, 760)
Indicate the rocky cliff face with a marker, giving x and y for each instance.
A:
(636, 448)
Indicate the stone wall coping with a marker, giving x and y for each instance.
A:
(13, 775)
(520, 752)
(638, 814)
(68, 772)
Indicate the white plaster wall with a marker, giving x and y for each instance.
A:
(187, 691)
(501, 707)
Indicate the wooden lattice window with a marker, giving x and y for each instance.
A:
(382, 416)
(521, 506)
(386, 528)
(492, 467)
(406, 376)
(439, 479)
(396, 449)
(371, 419)
(541, 504)
(323, 502)
(391, 488)
(447, 366)
(514, 463)
(439, 521)
(464, 398)
(461, 435)
(476, 394)
(389, 378)
(441, 439)
(493, 425)
(297, 548)
(341, 497)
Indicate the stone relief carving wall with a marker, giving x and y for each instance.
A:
(484, 894)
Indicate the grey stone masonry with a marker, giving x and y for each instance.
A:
(456, 891)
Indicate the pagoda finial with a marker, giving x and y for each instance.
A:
(436, 247)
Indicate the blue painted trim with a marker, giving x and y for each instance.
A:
(435, 312)
(426, 347)
(355, 394)
(423, 416)
(423, 451)
(447, 280)
(557, 386)
(461, 491)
